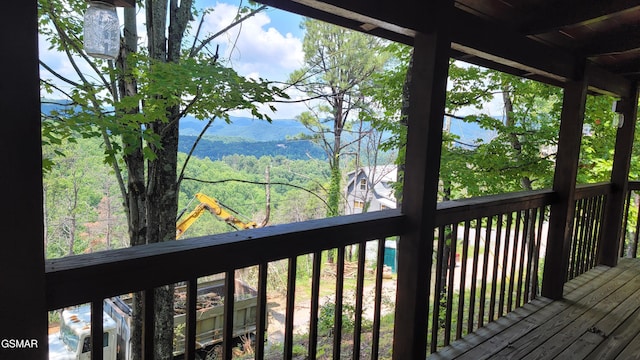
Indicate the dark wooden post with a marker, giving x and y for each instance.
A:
(23, 305)
(427, 94)
(614, 207)
(564, 184)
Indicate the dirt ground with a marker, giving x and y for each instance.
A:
(301, 318)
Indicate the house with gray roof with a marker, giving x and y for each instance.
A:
(370, 188)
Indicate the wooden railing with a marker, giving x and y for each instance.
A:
(94, 277)
(488, 259)
(587, 223)
(487, 262)
(631, 222)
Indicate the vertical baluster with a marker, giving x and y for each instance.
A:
(590, 228)
(337, 321)
(148, 327)
(535, 280)
(485, 272)
(634, 252)
(506, 248)
(450, 283)
(625, 223)
(474, 275)
(594, 231)
(190, 328)
(531, 247)
(523, 251)
(514, 258)
(291, 297)
(375, 342)
(97, 339)
(357, 328)
(435, 326)
(496, 265)
(261, 311)
(599, 215)
(315, 299)
(463, 277)
(229, 302)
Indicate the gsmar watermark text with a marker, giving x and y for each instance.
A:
(19, 343)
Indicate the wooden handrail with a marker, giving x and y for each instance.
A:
(472, 208)
(141, 267)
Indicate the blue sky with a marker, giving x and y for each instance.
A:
(268, 45)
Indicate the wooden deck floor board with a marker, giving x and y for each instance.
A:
(585, 322)
(599, 318)
(504, 340)
(483, 334)
(615, 342)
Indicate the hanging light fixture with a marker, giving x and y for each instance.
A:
(101, 30)
(618, 108)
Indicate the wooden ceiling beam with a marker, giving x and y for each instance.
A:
(486, 63)
(345, 18)
(560, 14)
(628, 68)
(605, 82)
(624, 39)
(480, 38)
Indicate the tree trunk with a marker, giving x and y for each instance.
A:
(135, 198)
(162, 191)
(162, 207)
(404, 111)
(525, 181)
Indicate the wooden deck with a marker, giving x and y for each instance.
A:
(599, 318)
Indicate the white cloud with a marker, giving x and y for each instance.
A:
(255, 47)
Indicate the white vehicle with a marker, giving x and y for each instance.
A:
(73, 341)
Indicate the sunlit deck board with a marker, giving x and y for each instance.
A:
(599, 318)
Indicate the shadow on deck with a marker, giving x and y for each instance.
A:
(599, 318)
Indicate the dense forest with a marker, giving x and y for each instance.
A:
(84, 211)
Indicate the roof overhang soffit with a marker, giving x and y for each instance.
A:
(473, 40)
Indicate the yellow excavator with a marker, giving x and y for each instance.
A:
(210, 204)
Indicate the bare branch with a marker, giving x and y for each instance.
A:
(205, 42)
(258, 183)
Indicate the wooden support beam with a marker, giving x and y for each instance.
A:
(614, 207)
(604, 82)
(564, 184)
(22, 279)
(427, 95)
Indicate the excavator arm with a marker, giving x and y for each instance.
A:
(210, 204)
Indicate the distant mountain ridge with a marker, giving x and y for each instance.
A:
(247, 136)
(243, 136)
(240, 128)
(217, 149)
(245, 128)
